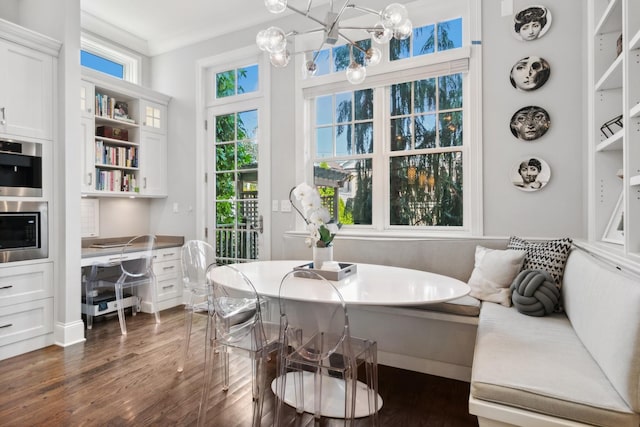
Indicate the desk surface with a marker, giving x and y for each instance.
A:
(370, 285)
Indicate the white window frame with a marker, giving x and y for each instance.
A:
(390, 72)
(130, 62)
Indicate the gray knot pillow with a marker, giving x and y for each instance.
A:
(534, 293)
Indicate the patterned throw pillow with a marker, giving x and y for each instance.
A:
(549, 255)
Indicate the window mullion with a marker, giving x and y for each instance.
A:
(380, 162)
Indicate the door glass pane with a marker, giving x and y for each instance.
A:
(248, 79)
(236, 203)
(226, 84)
(226, 128)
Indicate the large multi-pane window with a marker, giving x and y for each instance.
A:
(395, 155)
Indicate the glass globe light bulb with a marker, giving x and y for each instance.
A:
(380, 34)
(276, 40)
(356, 73)
(261, 40)
(310, 68)
(393, 15)
(275, 6)
(404, 31)
(373, 56)
(280, 59)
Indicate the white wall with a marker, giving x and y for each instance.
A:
(559, 209)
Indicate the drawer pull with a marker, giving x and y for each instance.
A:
(7, 287)
(171, 267)
(171, 254)
(8, 325)
(167, 287)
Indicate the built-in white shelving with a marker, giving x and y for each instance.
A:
(612, 78)
(614, 160)
(612, 143)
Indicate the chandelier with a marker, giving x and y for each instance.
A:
(393, 22)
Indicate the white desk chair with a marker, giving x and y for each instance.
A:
(318, 361)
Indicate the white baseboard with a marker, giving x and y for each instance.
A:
(67, 334)
(431, 367)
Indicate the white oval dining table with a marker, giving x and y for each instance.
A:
(370, 285)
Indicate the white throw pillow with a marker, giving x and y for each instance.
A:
(493, 272)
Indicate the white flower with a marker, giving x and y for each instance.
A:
(317, 217)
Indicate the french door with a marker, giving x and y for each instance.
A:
(237, 160)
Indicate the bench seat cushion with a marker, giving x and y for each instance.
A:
(539, 364)
(465, 306)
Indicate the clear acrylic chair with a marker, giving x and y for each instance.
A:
(196, 257)
(133, 273)
(240, 319)
(319, 359)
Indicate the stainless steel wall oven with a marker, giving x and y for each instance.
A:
(20, 169)
(23, 231)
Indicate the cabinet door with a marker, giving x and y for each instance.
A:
(26, 92)
(87, 99)
(153, 116)
(153, 164)
(87, 180)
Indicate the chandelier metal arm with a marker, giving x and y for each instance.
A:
(352, 43)
(306, 14)
(364, 9)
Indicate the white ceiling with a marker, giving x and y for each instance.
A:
(156, 26)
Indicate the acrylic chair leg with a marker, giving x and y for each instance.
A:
(372, 381)
(260, 380)
(351, 384)
(120, 304)
(154, 296)
(224, 360)
(188, 319)
(317, 392)
(208, 374)
(281, 384)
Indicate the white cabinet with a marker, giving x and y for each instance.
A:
(166, 267)
(126, 153)
(153, 164)
(153, 116)
(26, 92)
(87, 99)
(26, 308)
(88, 169)
(614, 128)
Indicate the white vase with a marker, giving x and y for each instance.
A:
(320, 255)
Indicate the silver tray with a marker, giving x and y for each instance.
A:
(346, 270)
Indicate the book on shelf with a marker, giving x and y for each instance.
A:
(107, 106)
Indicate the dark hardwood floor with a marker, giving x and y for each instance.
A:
(111, 380)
